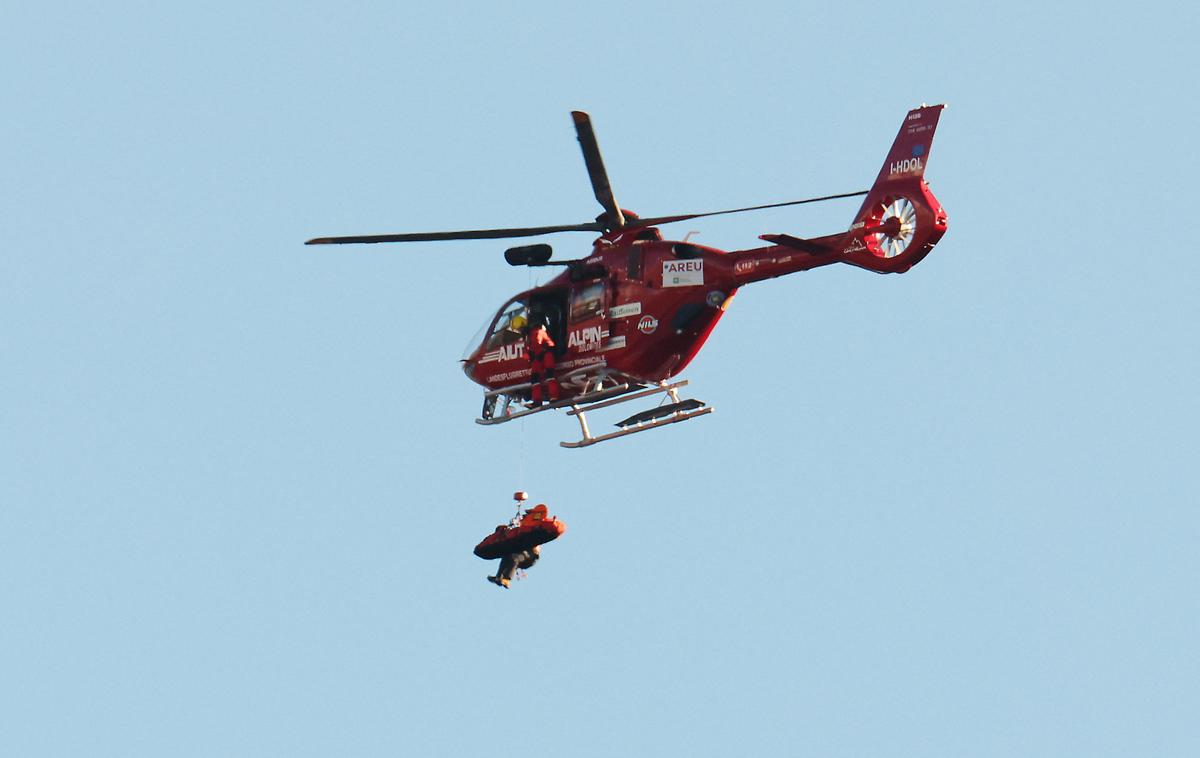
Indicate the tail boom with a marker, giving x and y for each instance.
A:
(897, 225)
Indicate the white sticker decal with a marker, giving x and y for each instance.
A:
(623, 311)
(647, 325)
(616, 343)
(683, 273)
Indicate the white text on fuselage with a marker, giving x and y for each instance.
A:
(504, 353)
(684, 273)
(906, 166)
(587, 339)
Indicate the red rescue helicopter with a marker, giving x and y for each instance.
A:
(629, 317)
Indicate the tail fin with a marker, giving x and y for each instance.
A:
(900, 220)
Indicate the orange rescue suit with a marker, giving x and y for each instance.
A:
(540, 342)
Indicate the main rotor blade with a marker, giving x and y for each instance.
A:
(473, 234)
(595, 168)
(688, 216)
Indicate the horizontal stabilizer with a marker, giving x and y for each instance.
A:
(803, 245)
(661, 411)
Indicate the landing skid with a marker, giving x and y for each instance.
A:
(678, 410)
(498, 404)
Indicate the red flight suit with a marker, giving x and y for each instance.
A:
(540, 350)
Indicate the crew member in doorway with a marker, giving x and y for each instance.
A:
(540, 349)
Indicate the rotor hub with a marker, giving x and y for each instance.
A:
(897, 217)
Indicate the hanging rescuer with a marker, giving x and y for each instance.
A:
(539, 346)
(518, 543)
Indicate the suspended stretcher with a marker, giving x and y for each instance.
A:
(534, 528)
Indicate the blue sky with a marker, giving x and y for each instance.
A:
(946, 513)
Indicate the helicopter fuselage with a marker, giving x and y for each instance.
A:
(640, 308)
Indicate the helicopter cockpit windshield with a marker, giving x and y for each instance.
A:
(505, 329)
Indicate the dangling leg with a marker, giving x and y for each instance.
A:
(535, 377)
(508, 567)
(504, 573)
(498, 578)
(548, 376)
(526, 559)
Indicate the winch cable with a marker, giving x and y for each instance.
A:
(521, 434)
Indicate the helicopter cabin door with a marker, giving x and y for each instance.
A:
(549, 307)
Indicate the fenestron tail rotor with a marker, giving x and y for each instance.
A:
(899, 216)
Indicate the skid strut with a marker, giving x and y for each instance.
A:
(505, 395)
(601, 389)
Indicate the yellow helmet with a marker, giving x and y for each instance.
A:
(518, 322)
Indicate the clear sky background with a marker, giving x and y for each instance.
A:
(948, 513)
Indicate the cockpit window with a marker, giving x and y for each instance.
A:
(510, 325)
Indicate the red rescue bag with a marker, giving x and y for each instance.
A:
(535, 529)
